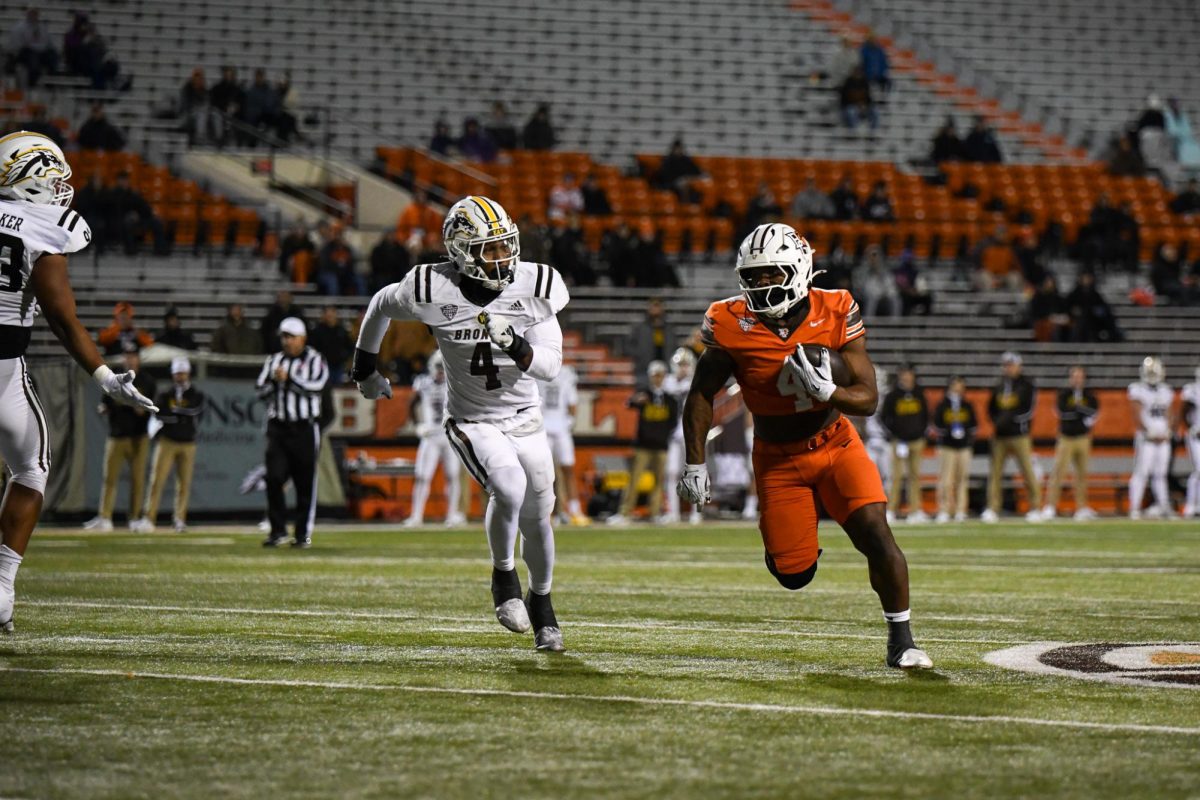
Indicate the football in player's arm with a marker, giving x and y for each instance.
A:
(494, 318)
(37, 233)
(805, 450)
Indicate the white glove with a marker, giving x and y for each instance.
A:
(375, 386)
(498, 328)
(119, 386)
(817, 381)
(693, 484)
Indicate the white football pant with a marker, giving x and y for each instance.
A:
(433, 450)
(24, 437)
(1151, 461)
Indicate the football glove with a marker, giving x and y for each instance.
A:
(375, 386)
(499, 330)
(119, 386)
(693, 484)
(817, 381)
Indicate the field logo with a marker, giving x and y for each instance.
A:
(1168, 664)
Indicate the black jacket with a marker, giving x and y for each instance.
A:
(955, 427)
(1076, 412)
(905, 414)
(180, 412)
(658, 412)
(125, 421)
(1011, 406)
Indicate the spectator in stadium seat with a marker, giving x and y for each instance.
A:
(1179, 130)
(297, 252)
(878, 206)
(649, 265)
(123, 336)
(1152, 116)
(875, 286)
(566, 199)
(29, 45)
(234, 336)
(981, 145)
(539, 133)
(616, 251)
(419, 217)
(1187, 202)
(845, 200)
(812, 203)
(677, 172)
(1048, 312)
(227, 97)
(200, 121)
(1091, 316)
(595, 199)
(1126, 161)
(856, 102)
(763, 207)
(570, 254)
(260, 108)
(1029, 258)
(843, 62)
(442, 141)
(1111, 236)
(875, 65)
(500, 127)
(915, 295)
(173, 334)
(535, 240)
(39, 122)
(1166, 274)
(287, 118)
(282, 308)
(946, 145)
(97, 133)
(390, 261)
(649, 340)
(335, 266)
(331, 339)
(997, 261)
(475, 144)
(128, 218)
(85, 52)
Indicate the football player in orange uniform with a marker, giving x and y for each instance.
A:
(805, 451)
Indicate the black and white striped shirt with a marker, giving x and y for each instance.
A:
(299, 397)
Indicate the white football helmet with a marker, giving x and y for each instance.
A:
(683, 363)
(436, 363)
(776, 247)
(1152, 370)
(472, 225)
(34, 169)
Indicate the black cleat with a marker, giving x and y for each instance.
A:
(275, 541)
(301, 544)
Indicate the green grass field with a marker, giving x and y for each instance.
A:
(202, 665)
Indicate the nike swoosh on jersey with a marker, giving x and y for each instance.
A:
(818, 322)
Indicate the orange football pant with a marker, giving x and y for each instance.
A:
(832, 467)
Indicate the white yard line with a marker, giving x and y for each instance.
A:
(717, 705)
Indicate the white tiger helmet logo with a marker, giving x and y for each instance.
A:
(34, 169)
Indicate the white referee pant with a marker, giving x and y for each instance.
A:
(24, 436)
(1151, 462)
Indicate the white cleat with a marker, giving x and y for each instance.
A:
(912, 658)
(1135, 514)
(618, 520)
(918, 517)
(1034, 515)
(7, 599)
(1049, 512)
(455, 521)
(1085, 514)
(942, 518)
(264, 526)
(695, 518)
(548, 638)
(989, 516)
(960, 516)
(667, 519)
(178, 525)
(102, 524)
(513, 615)
(412, 522)
(142, 525)
(1189, 512)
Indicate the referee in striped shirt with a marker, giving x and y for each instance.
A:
(291, 382)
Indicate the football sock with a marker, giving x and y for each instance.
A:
(507, 487)
(505, 586)
(899, 631)
(541, 610)
(9, 561)
(537, 548)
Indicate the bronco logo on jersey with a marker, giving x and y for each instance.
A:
(31, 163)
(1167, 664)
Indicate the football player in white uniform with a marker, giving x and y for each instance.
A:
(1151, 399)
(1191, 421)
(875, 436)
(683, 364)
(37, 232)
(559, 400)
(428, 411)
(493, 316)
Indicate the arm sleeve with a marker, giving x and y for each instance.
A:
(546, 340)
(389, 303)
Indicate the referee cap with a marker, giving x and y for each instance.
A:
(293, 326)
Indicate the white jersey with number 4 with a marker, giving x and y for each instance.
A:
(558, 396)
(485, 384)
(27, 232)
(1156, 405)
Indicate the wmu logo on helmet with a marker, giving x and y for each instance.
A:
(1167, 664)
(31, 164)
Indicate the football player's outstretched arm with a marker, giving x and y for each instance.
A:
(712, 372)
(385, 306)
(861, 397)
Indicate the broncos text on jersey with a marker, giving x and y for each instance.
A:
(758, 352)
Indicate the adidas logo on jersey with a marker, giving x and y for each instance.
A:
(449, 311)
(516, 306)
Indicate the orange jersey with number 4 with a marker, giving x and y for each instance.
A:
(758, 352)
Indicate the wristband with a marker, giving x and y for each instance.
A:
(102, 373)
(363, 366)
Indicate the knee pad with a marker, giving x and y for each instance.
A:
(31, 476)
(792, 580)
